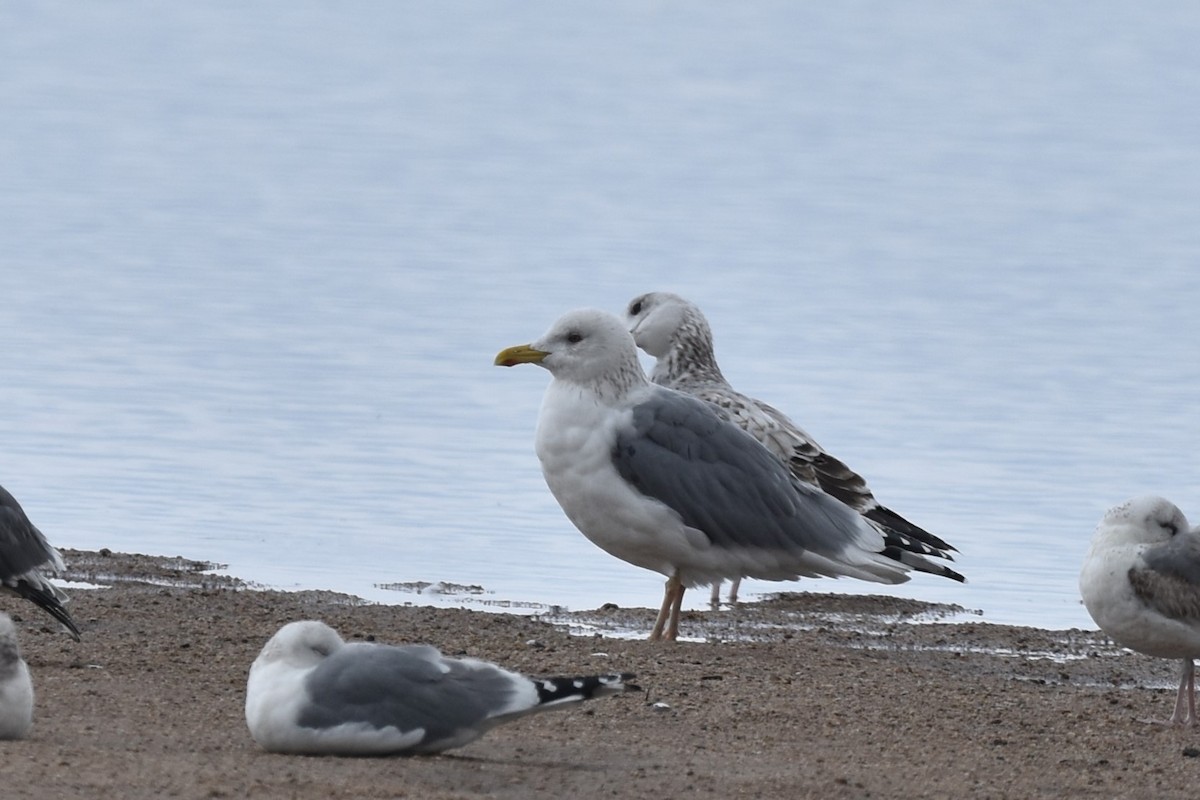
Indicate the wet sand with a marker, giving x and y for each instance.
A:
(802, 696)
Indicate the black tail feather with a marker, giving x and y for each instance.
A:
(837, 479)
(553, 691)
(921, 564)
(908, 536)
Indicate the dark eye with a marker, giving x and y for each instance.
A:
(636, 308)
(574, 337)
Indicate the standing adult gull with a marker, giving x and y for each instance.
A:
(664, 481)
(24, 556)
(311, 692)
(1141, 584)
(676, 333)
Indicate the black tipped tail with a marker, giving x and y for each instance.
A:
(909, 544)
(908, 536)
(555, 691)
(922, 564)
(46, 599)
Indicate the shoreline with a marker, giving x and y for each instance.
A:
(801, 695)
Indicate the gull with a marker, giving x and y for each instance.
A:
(1141, 584)
(24, 556)
(16, 689)
(664, 481)
(311, 692)
(676, 333)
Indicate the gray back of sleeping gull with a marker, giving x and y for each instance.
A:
(24, 556)
(665, 481)
(310, 692)
(677, 334)
(1140, 582)
(16, 688)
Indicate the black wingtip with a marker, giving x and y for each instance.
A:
(921, 564)
(892, 521)
(557, 690)
(44, 599)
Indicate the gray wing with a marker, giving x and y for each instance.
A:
(408, 687)
(809, 462)
(22, 546)
(721, 481)
(1168, 577)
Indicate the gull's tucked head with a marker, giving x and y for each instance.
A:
(654, 319)
(1142, 520)
(584, 347)
(301, 644)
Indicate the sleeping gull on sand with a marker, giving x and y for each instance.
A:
(310, 692)
(24, 555)
(16, 689)
(677, 334)
(1141, 584)
(662, 480)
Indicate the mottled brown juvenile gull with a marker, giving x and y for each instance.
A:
(16, 689)
(664, 481)
(1141, 584)
(25, 556)
(676, 333)
(310, 692)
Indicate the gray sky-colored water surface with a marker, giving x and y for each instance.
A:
(257, 259)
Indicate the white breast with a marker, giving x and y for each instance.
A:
(1126, 618)
(575, 438)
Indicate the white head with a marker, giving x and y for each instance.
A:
(583, 347)
(654, 319)
(301, 644)
(1142, 520)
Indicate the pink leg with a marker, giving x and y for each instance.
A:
(1191, 692)
(663, 612)
(734, 585)
(1186, 698)
(676, 608)
(715, 599)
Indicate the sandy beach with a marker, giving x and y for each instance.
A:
(800, 696)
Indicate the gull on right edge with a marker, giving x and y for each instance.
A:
(1141, 584)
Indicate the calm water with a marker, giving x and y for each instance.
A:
(257, 260)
